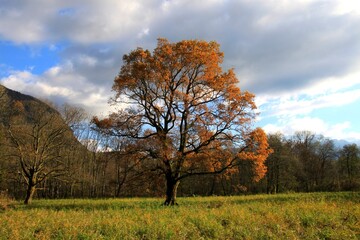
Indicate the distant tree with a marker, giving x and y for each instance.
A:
(37, 139)
(189, 117)
(74, 116)
(2, 162)
(281, 165)
(77, 157)
(349, 166)
(5, 114)
(316, 155)
(126, 173)
(2, 138)
(326, 156)
(304, 146)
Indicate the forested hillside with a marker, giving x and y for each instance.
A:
(37, 146)
(41, 156)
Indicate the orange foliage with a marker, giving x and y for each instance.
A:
(257, 151)
(19, 106)
(103, 123)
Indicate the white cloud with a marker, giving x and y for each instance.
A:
(305, 105)
(275, 46)
(329, 92)
(60, 84)
(83, 21)
(297, 56)
(347, 7)
(316, 125)
(292, 111)
(143, 33)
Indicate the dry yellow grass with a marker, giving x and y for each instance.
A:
(285, 216)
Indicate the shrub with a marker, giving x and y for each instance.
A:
(6, 201)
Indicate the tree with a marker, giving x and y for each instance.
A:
(304, 148)
(281, 165)
(2, 139)
(349, 166)
(326, 156)
(38, 139)
(126, 175)
(188, 115)
(78, 120)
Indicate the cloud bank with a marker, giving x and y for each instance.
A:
(296, 56)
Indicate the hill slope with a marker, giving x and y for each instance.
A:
(10, 100)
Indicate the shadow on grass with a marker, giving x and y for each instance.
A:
(215, 202)
(87, 205)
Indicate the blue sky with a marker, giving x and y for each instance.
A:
(300, 58)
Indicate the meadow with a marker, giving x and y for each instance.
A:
(282, 216)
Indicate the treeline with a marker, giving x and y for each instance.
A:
(307, 162)
(304, 162)
(106, 166)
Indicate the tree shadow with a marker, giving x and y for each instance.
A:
(89, 205)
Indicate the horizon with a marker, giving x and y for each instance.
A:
(299, 58)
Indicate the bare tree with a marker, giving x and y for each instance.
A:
(38, 139)
(349, 166)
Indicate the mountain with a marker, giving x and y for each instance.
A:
(8, 98)
(341, 142)
(15, 105)
(8, 94)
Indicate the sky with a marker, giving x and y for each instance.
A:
(301, 58)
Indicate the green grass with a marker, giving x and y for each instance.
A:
(283, 216)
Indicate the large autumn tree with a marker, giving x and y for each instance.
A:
(187, 115)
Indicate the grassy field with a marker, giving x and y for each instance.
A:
(283, 216)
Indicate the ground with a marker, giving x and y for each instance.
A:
(283, 216)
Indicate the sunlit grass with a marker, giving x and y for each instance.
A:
(284, 216)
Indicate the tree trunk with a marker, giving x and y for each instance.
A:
(212, 190)
(29, 194)
(171, 190)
